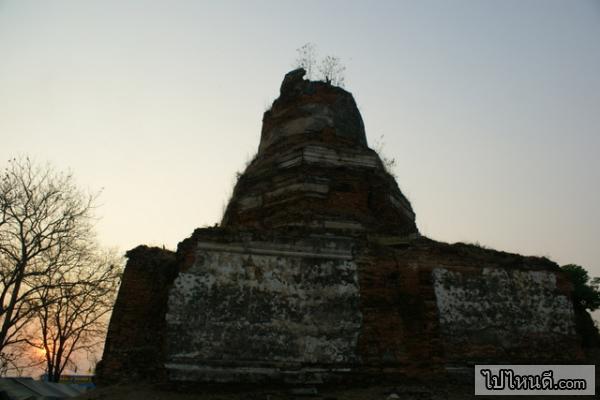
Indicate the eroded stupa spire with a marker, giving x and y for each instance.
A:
(314, 168)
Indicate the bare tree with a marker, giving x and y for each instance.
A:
(43, 216)
(74, 310)
(332, 70)
(307, 59)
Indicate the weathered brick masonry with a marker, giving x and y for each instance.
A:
(134, 347)
(318, 273)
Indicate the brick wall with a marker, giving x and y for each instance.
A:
(135, 341)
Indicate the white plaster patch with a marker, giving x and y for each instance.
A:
(265, 304)
(507, 302)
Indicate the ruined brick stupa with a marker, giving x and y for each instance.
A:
(318, 273)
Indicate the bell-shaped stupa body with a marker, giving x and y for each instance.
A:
(318, 274)
(314, 169)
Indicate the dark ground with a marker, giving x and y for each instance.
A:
(406, 392)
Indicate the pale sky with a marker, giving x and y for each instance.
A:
(490, 108)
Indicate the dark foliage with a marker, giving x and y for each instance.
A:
(586, 291)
